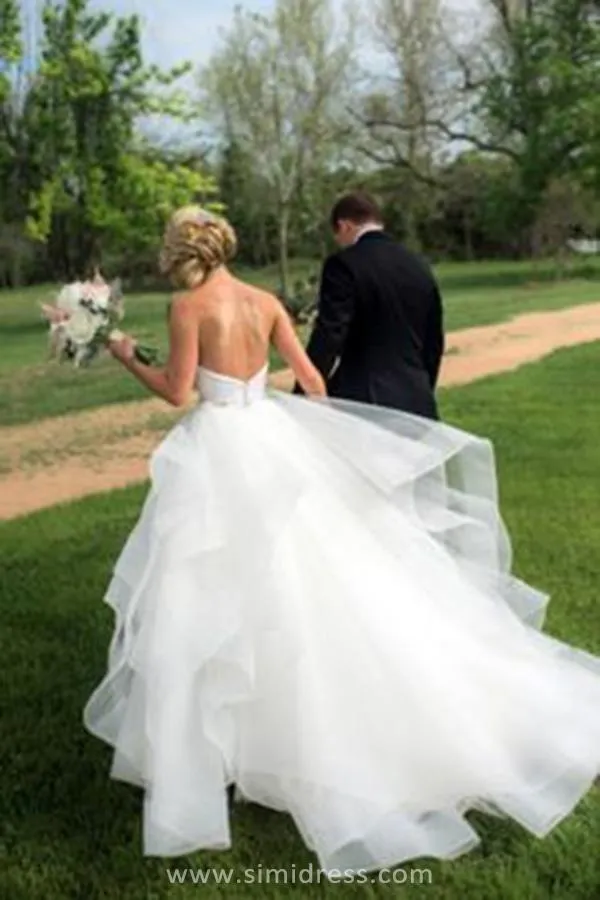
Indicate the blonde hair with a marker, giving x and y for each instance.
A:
(195, 243)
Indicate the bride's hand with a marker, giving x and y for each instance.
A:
(283, 380)
(123, 349)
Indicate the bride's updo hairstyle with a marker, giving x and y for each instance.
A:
(195, 243)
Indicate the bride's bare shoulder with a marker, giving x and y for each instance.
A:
(263, 301)
(255, 291)
(189, 304)
(269, 301)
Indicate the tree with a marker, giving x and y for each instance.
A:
(132, 215)
(11, 49)
(566, 212)
(91, 89)
(277, 86)
(15, 250)
(525, 91)
(532, 97)
(398, 108)
(247, 197)
(542, 106)
(468, 188)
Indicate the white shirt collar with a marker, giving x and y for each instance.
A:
(366, 228)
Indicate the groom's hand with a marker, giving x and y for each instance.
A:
(335, 313)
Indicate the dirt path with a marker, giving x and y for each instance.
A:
(61, 459)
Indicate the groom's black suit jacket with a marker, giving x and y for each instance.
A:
(380, 315)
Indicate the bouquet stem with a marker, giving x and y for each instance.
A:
(148, 356)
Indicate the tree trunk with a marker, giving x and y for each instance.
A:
(284, 274)
(468, 237)
(411, 231)
(260, 252)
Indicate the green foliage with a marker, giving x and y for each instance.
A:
(131, 210)
(90, 183)
(11, 48)
(249, 201)
(275, 89)
(294, 128)
(542, 107)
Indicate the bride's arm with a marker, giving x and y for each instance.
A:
(288, 346)
(174, 382)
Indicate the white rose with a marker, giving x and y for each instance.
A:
(82, 326)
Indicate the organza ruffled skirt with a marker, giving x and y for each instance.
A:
(316, 605)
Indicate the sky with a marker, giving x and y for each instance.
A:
(176, 30)
(188, 30)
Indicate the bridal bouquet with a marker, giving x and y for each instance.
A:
(84, 320)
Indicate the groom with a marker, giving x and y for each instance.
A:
(378, 337)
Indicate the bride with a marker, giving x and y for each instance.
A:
(316, 606)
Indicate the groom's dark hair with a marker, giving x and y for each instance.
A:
(358, 207)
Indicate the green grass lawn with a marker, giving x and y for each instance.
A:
(68, 832)
(31, 388)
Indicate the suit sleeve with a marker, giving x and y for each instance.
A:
(337, 303)
(434, 339)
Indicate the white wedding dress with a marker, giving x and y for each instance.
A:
(316, 606)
